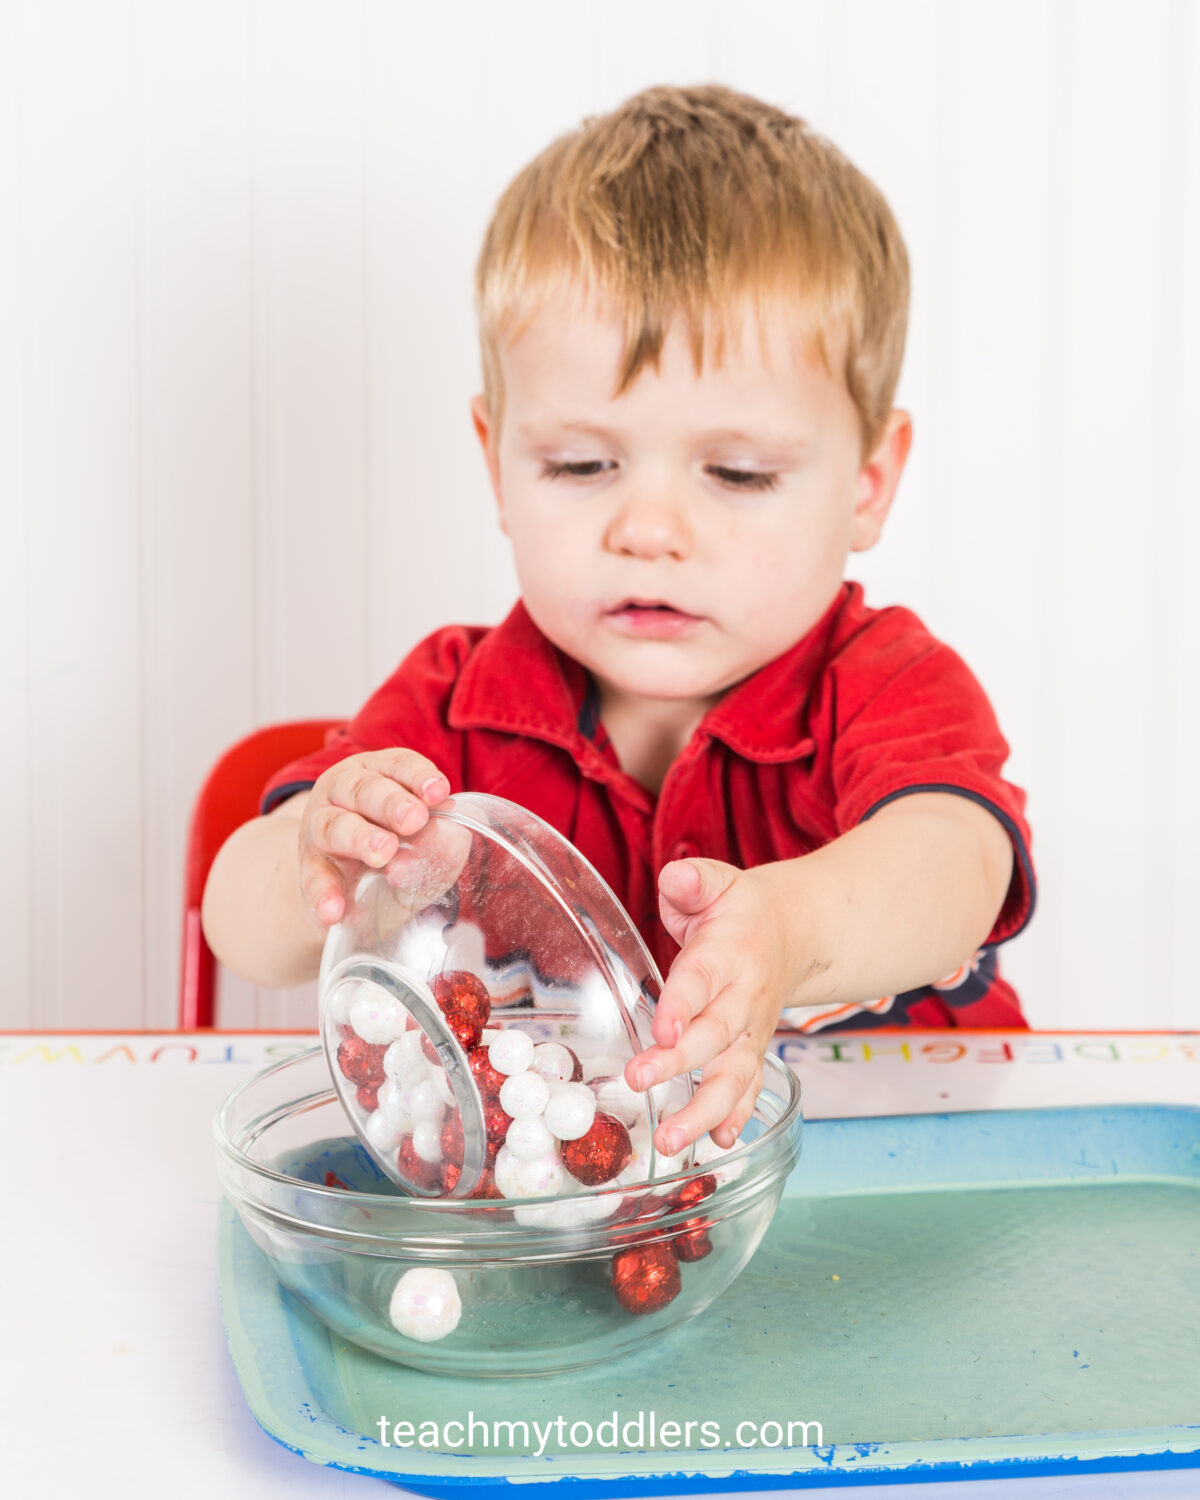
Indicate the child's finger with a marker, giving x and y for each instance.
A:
(687, 887)
(702, 971)
(727, 1132)
(713, 1032)
(391, 801)
(321, 883)
(715, 1102)
(345, 835)
(413, 770)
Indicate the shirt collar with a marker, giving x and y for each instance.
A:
(765, 716)
(519, 682)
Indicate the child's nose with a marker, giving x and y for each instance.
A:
(650, 527)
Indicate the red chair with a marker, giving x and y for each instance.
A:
(229, 798)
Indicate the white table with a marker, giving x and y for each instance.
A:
(115, 1378)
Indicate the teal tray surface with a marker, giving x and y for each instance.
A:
(950, 1296)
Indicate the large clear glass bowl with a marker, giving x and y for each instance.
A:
(536, 1298)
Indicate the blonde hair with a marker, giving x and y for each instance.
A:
(699, 201)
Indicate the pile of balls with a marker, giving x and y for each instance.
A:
(548, 1132)
(551, 1132)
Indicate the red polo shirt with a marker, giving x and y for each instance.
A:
(867, 707)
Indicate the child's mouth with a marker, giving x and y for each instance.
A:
(652, 617)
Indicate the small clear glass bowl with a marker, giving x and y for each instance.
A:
(536, 1298)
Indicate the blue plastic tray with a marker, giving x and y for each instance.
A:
(951, 1296)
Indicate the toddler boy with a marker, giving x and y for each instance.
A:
(692, 318)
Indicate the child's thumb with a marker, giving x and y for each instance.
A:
(692, 885)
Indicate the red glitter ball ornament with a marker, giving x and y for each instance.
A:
(414, 1168)
(467, 1030)
(695, 1189)
(693, 1243)
(361, 1062)
(600, 1154)
(644, 1209)
(463, 996)
(452, 1140)
(368, 1095)
(496, 1122)
(486, 1186)
(488, 1080)
(646, 1277)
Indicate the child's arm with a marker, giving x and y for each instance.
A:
(893, 904)
(278, 883)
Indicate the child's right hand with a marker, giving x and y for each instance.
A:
(351, 818)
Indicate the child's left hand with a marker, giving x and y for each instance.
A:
(722, 999)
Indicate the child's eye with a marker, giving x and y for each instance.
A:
(748, 479)
(738, 479)
(588, 470)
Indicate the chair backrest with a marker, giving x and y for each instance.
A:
(229, 798)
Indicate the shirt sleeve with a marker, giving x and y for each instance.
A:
(409, 709)
(917, 720)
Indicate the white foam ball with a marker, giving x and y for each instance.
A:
(404, 1059)
(637, 1168)
(574, 1211)
(597, 1206)
(511, 1052)
(528, 1138)
(490, 1033)
(534, 1215)
(553, 1061)
(382, 1133)
(393, 1105)
(571, 1111)
(425, 1304)
(568, 1213)
(615, 1097)
(337, 1005)
(425, 1103)
(669, 1097)
(377, 1017)
(442, 1084)
(708, 1153)
(427, 1140)
(524, 1095)
(601, 1067)
(527, 1179)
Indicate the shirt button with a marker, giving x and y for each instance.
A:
(683, 850)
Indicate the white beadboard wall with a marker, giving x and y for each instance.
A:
(239, 480)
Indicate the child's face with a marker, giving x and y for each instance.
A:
(677, 539)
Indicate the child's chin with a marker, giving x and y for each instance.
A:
(663, 684)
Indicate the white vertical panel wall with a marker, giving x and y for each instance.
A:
(239, 480)
(15, 522)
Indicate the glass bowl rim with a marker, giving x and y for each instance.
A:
(787, 1087)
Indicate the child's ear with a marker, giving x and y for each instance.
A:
(878, 478)
(481, 417)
